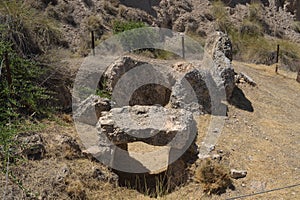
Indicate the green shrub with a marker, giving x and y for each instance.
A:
(21, 97)
(121, 26)
(138, 38)
(20, 90)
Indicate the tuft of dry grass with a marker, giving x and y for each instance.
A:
(221, 16)
(30, 31)
(76, 190)
(110, 8)
(214, 177)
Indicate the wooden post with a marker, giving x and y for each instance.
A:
(8, 72)
(277, 58)
(183, 47)
(298, 77)
(93, 42)
(277, 54)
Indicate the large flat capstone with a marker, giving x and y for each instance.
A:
(155, 125)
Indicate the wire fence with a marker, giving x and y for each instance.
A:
(263, 192)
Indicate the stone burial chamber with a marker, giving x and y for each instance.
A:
(170, 131)
(149, 121)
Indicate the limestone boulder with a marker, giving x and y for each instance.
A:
(89, 110)
(115, 71)
(154, 125)
(219, 48)
(191, 92)
(135, 82)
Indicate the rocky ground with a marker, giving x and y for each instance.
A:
(260, 135)
(78, 18)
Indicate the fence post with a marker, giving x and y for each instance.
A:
(277, 53)
(93, 42)
(183, 46)
(277, 58)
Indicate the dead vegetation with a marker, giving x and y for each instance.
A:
(30, 31)
(213, 176)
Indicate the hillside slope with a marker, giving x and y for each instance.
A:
(265, 142)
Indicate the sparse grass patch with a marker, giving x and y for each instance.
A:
(221, 16)
(255, 11)
(10, 147)
(261, 50)
(149, 185)
(251, 28)
(165, 55)
(94, 23)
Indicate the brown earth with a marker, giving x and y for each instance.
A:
(265, 142)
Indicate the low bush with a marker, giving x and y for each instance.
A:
(121, 26)
(250, 28)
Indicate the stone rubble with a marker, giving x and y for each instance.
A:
(236, 174)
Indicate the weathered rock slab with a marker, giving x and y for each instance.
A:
(219, 48)
(89, 110)
(154, 125)
(115, 71)
(191, 92)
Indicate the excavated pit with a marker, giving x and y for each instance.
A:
(177, 174)
(157, 144)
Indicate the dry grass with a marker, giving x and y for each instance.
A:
(264, 142)
(76, 190)
(30, 31)
(214, 177)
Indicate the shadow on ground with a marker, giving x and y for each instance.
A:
(239, 100)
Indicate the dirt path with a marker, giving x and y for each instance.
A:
(265, 142)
